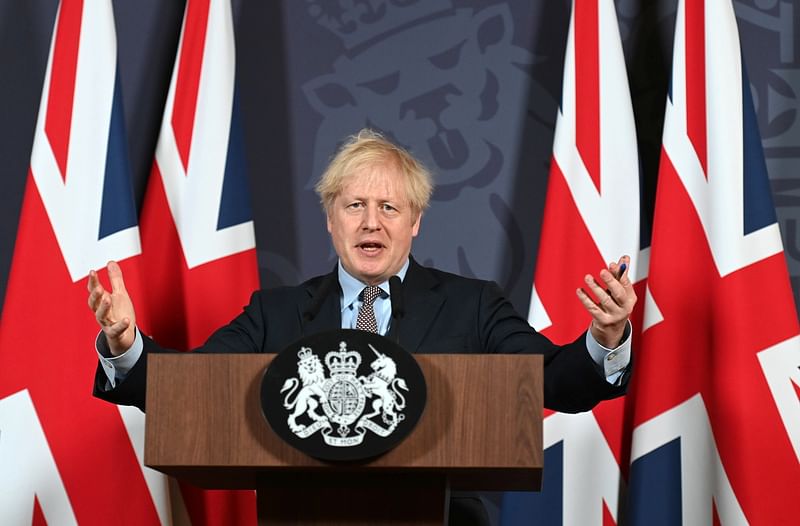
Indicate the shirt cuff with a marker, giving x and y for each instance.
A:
(118, 367)
(613, 361)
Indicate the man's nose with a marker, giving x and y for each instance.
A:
(371, 218)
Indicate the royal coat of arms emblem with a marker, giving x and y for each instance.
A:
(343, 396)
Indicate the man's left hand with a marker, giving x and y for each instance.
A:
(614, 303)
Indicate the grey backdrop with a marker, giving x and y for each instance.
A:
(472, 87)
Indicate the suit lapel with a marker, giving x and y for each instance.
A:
(422, 303)
(329, 316)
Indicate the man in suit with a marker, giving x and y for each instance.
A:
(374, 194)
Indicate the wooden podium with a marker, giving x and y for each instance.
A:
(481, 430)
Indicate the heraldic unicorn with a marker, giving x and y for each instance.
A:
(343, 396)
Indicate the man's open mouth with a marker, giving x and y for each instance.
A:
(370, 247)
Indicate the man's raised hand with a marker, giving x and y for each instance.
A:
(113, 310)
(614, 305)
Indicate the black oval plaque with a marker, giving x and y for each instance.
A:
(343, 395)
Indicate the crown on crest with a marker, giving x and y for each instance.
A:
(304, 353)
(359, 21)
(343, 361)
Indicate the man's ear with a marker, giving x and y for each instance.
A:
(415, 225)
(328, 221)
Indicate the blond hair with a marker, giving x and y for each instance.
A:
(369, 148)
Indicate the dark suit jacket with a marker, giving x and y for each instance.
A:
(445, 313)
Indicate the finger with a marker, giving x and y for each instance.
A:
(617, 270)
(627, 296)
(94, 297)
(623, 292)
(115, 276)
(103, 310)
(605, 300)
(613, 287)
(624, 275)
(116, 330)
(620, 273)
(587, 301)
(591, 306)
(93, 282)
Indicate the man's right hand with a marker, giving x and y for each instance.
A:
(113, 311)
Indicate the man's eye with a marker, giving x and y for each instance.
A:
(355, 205)
(389, 208)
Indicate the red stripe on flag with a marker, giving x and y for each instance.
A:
(708, 342)
(742, 410)
(62, 80)
(715, 514)
(193, 302)
(182, 308)
(568, 260)
(87, 437)
(696, 80)
(190, 64)
(587, 87)
(38, 516)
(608, 519)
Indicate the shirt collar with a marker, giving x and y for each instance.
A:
(352, 287)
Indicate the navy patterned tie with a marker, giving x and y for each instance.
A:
(366, 314)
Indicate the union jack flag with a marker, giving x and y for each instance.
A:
(715, 403)
(198, 241)
(591, 217)
(67, 458)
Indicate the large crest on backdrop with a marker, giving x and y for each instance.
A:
(343, 395)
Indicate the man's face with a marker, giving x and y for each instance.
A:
(372, 224)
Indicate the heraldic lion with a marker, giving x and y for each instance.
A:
(312, 376)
